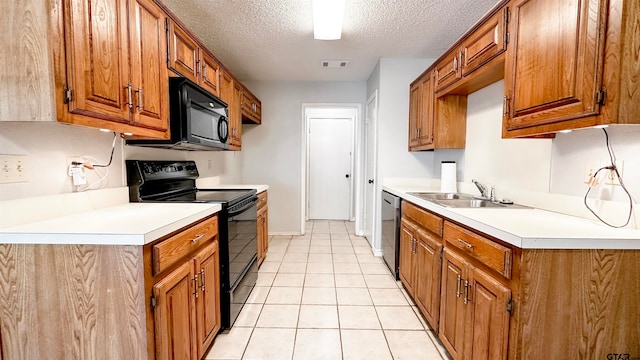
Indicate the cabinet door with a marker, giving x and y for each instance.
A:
(489, 317)
(407, 244)
(553, 68)
(429, 273)
(235, 116)
(208, 321)
(426, 114)
(98, 59)
(263, 233)
(175, 323)
(487, 42)
(414, 115)
(209, 79)
(448, 70)
(453, 307)
(149, 71)
(183, 53)
(226, 87)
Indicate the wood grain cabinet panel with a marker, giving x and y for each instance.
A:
(184, 53)
(26, 62)
(235, 115)
(175, 319)
(97, 66)
(263, 233)
(453, 306)
(208, 316)
(421, 113)
(209, 80)
(149, 72)
(429, 266)
(555, 64)
(485, 43)
(109, 69)
(448, 70)
(420, 259)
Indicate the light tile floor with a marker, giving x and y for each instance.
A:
(325, 296)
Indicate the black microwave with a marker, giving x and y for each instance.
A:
(198, 119)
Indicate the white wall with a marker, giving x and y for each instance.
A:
(522, 163)
(547, 173)
(273, 151)
(48, 145)
(391, 78)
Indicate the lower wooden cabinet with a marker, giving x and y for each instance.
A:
(187, 306)
(187, 313)
(475, 312)
(263, 227)
(420, 260)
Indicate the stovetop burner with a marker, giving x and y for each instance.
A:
(175, 181)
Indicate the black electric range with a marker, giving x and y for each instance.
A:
(174, 181)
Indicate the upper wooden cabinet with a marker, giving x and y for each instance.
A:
(421, 113)
(110, 70)
(190, 60)
(571, 65)
(435, 123)
(251, 108)
(482, 44)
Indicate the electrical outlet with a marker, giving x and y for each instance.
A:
(589, 171)
(611, 178)
(14, 169)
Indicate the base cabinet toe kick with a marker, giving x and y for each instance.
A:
(112, 302)
(485, 298)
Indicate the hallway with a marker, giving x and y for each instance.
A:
(325, 296)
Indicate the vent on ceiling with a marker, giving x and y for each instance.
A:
(335, 63)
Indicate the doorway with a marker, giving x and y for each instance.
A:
(329, 161)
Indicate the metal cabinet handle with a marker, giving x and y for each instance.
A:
(465, 244)
(505, 106)
(466, 292)
(458, 290)
(455, 63)
(198, 237)
(418, 131)
(195, 286)
(140, 106)
(129, 96)
(204, 71)
(202, 280)
(197, 67)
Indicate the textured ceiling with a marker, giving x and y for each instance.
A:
(273, 39)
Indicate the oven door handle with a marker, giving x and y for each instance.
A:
(244, 208)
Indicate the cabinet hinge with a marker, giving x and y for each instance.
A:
(601, 97)
(153, 302)
(68, 95)
(507, 15)
(510, 306)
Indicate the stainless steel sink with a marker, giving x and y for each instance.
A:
(461, 200)
(430, 196)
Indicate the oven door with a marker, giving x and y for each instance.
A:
(243, 247)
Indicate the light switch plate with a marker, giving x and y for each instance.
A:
(14, 169)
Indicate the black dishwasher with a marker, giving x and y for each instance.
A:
(390, 215)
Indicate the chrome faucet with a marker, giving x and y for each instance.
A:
(482, 188)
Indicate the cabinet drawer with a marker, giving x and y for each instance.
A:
(426, 219)
(487, 251)
(168, 252)
(262, 199)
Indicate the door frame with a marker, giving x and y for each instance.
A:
(308, 111)
(374, 199)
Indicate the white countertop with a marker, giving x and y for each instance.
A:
(125, 224)
(529, 228)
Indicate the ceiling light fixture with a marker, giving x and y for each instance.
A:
(327, 19)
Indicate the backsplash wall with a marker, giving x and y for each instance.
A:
(48, 145)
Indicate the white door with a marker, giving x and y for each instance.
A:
(330, 168)
(370, 168)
